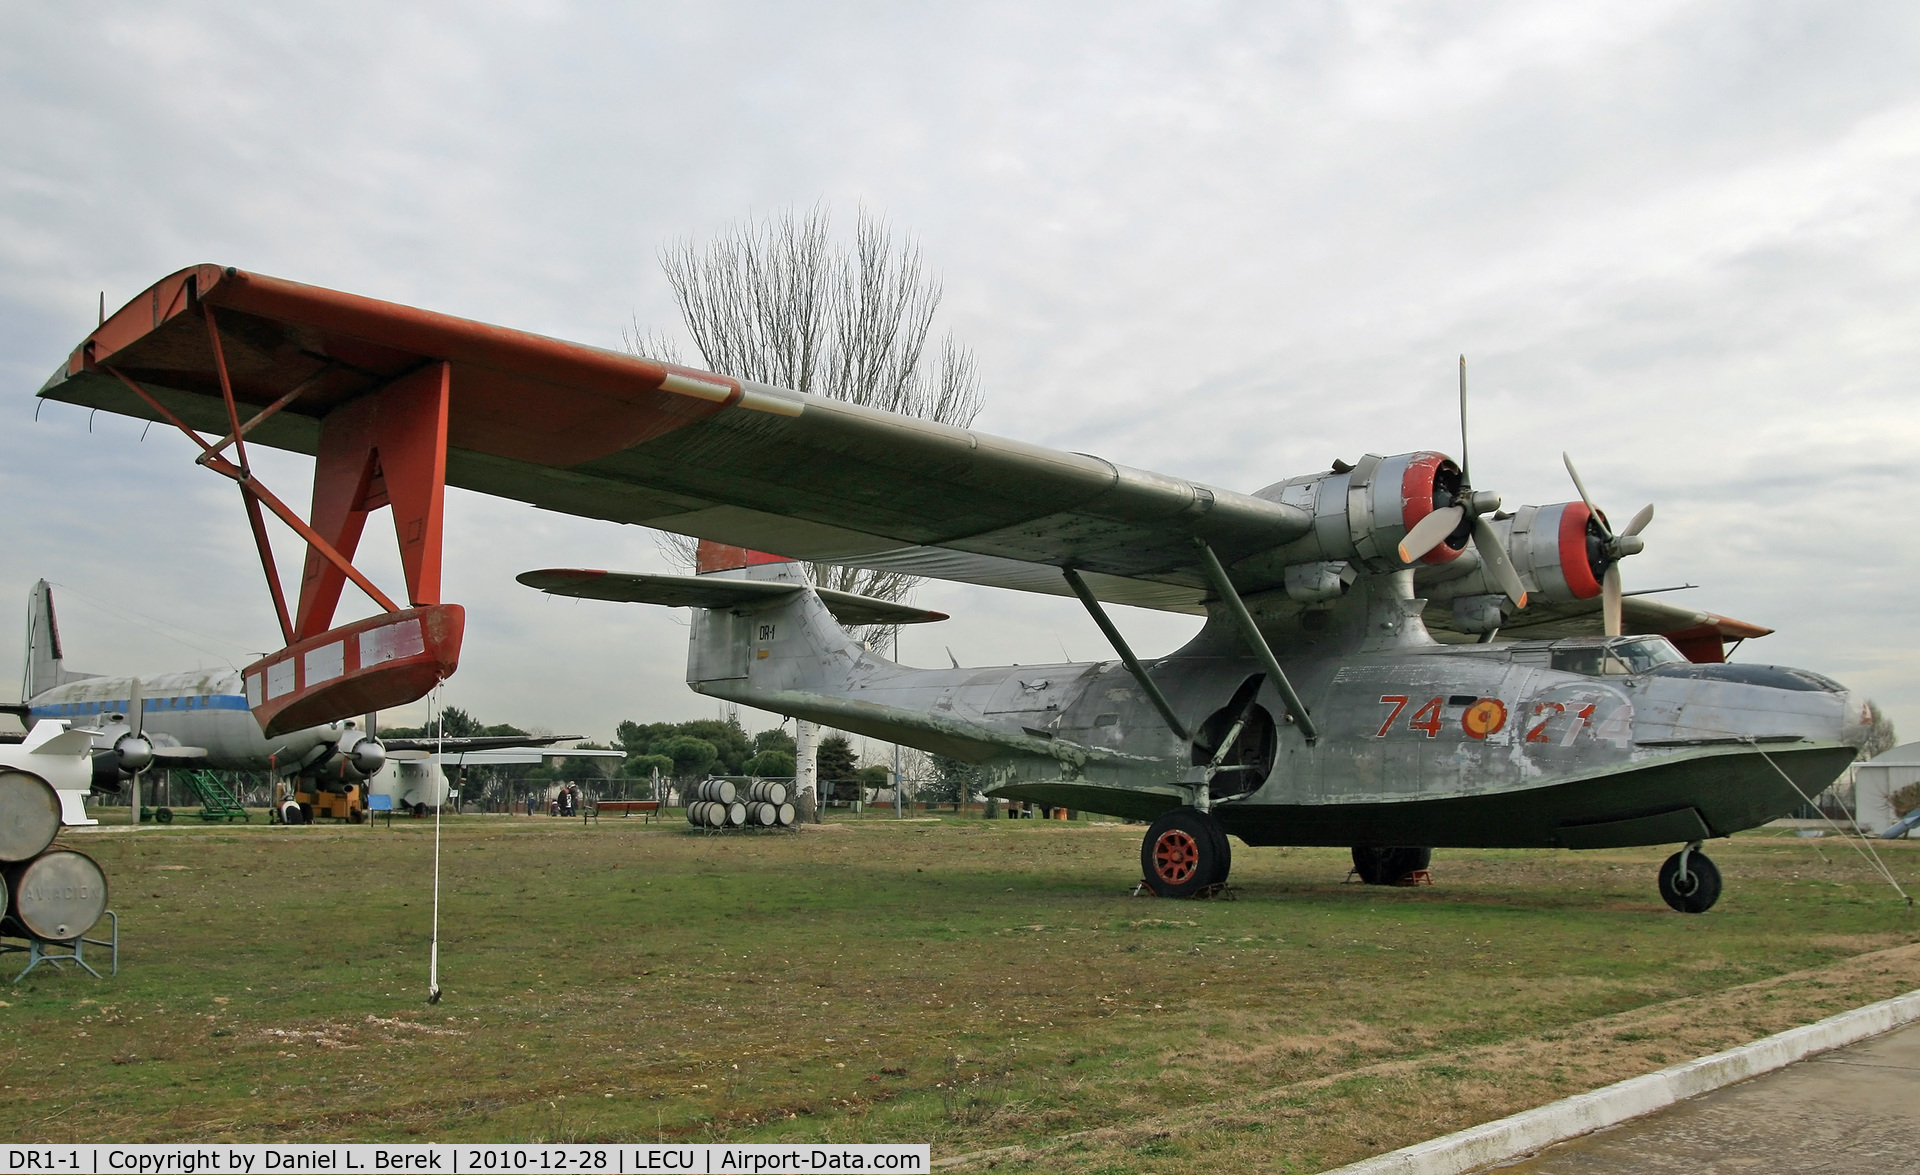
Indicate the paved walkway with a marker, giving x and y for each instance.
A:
(1853, 1111)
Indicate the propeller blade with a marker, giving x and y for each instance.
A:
(1640, 520)
(178, 754)
(1581, 486)
(136, 709)
(1610, 600)
(1429, 533)
(1464, 478)
(1493, 553)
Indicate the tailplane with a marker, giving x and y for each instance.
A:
(45, 667)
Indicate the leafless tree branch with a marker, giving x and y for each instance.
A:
(774, 300)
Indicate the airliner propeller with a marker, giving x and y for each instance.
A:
(1445, 521)
(133, 751)
(1611, 548)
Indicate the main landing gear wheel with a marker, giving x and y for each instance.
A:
(1388, 866)
(290, 813)
(1184, 852)
(1694, 890)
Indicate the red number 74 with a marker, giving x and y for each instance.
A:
(1399, 703)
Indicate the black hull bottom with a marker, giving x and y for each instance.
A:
(1702, 795)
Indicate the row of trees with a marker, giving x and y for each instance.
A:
(688, 751)
(706, 746)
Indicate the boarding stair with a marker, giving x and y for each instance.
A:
(217, 800)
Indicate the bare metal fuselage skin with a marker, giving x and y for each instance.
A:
(201, 708)
(1419, 743)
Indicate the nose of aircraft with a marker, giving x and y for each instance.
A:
(1856, 719)
(1753, 701)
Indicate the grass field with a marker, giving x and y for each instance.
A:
(976, 984)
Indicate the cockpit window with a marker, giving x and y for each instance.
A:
(1620, 657)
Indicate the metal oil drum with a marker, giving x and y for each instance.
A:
(29, 815)
(57, 896)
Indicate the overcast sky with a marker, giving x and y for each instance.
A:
(1226, 242)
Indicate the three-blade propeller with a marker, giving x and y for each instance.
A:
(1613, 547)
(1433, 530)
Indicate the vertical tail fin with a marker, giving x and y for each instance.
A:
(45, 666)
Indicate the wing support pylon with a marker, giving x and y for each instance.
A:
(386, 448)
(1121, 647)
(1250, 632)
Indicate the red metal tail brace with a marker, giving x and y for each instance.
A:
(259, 525)
(226, 387)
(261, 416)
(253, 489)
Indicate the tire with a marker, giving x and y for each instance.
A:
(1386, 866)
(290, 813)
(419, 811)
(1184, 852)
(163, 815)
(1700, 890)
(1224, 848)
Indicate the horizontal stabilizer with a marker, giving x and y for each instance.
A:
(700, 591)
(478, 742)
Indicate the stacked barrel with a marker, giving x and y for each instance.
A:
(50, 894)
(719, 804)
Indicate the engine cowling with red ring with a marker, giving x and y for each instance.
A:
(1560, 549)
(1362, 511)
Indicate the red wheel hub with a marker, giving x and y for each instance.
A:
(1175, 856)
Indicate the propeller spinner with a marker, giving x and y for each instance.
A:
(1607, 548)
(1436, 527)
(133, 750)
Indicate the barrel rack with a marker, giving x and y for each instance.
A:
(58, 955)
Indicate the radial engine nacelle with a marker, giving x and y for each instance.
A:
(1362, 511)
(1560, 551)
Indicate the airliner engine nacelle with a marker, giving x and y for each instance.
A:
(133, 753)
(352, 757)
(1362, 511)
(358, 755)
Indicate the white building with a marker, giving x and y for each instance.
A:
(1875, 782)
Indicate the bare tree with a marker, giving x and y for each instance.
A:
(775, 300)
(1880, 736)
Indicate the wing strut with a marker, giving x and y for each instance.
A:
(1119, 644)
(1250, 632)
(386, 448)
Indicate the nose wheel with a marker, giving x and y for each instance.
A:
(1184, 852)
(1690, 881)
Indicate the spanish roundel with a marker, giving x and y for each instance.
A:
(1484, 717)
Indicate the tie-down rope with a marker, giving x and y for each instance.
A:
(1868, 854)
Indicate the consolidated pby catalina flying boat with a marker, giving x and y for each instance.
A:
(1345, 689)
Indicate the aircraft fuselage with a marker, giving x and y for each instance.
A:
(201, 708)
(1582, 743)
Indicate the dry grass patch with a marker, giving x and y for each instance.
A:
(975, 984)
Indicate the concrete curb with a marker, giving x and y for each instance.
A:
(1532, 1130)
